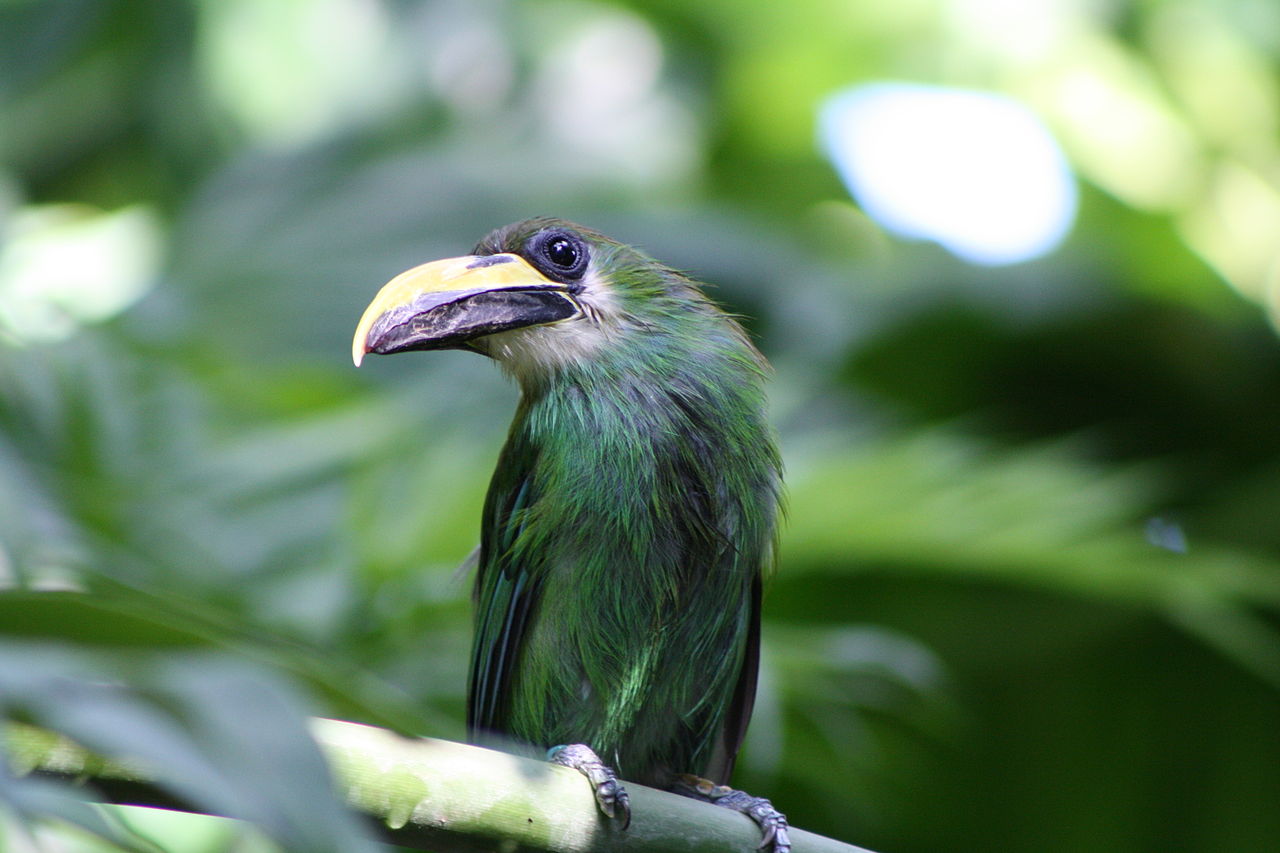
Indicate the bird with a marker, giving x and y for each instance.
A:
(631, 519)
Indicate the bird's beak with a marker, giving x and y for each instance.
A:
(446, 303)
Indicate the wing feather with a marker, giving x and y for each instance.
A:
(505, 595)
(733, 729)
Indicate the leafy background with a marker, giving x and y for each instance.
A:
(1029, 596)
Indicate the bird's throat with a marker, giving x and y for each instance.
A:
(533, 356)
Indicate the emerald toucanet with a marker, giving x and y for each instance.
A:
(632, 513)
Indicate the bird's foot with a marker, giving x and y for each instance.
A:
(772, 823)
(610, 795)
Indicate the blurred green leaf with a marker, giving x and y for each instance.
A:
(184, 718)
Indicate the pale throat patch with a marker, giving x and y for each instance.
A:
(538, 350)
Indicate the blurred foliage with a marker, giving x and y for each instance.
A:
(1029, 595)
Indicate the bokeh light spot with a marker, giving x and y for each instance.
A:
(976, 172)
(67, 265)
(292, 71)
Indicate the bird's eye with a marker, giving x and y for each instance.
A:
(560, 254)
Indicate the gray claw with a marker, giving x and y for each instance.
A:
(772, 823)
(611, 797)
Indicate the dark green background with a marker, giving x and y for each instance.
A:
(972, 643)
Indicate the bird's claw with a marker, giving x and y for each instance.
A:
(611, 796)
(614, 801)
(772, 823)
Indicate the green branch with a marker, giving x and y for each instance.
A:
(439, 795)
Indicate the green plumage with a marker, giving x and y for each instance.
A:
(627, 526)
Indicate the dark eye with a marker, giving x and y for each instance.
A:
(559, 254)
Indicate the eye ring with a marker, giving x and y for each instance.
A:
(559, 254)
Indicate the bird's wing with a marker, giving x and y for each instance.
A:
(505, 596)
(734, 727)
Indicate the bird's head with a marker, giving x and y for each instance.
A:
(534, 295)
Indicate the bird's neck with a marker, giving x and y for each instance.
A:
(661, 405)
